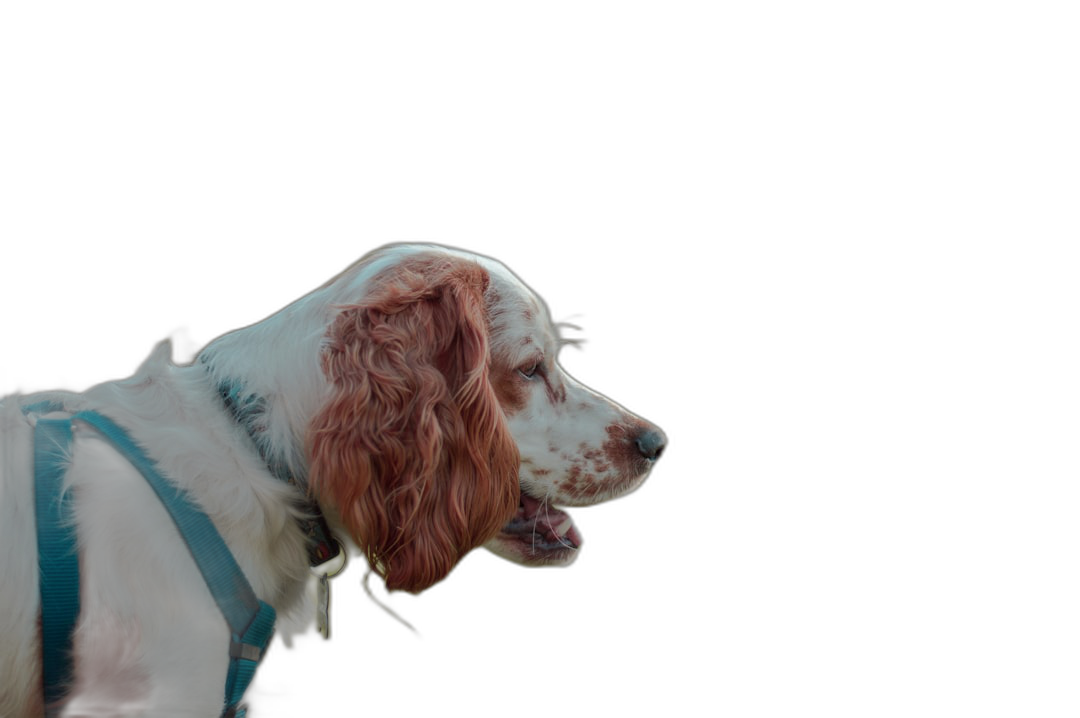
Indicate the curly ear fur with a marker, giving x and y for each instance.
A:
(412, 448)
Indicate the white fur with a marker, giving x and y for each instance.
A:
(150, 638)
(20, 683)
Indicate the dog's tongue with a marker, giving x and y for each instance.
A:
(530, 505)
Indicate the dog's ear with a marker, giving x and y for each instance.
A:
(412, 448)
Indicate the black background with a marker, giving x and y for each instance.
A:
(100, 281)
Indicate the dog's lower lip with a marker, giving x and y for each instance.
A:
(542, 527)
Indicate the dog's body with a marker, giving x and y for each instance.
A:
(415, 398)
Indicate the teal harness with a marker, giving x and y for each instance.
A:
(250, 621)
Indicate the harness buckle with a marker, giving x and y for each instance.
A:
(245, 651)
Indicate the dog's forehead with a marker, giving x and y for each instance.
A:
(521, 324)
(513, 305)
(513, 295)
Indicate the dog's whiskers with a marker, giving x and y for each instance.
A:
(544, 504)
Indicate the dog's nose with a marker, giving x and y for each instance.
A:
(650, 443)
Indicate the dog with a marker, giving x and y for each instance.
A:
(412, 407)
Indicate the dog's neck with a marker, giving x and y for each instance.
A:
(269, 376)
(250, 411)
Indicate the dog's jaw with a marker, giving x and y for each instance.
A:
(539, 534)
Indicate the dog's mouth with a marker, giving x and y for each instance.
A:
(539, 535)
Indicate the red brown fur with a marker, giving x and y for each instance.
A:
(512, 395)
(412, 447)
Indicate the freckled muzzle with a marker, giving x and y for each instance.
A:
(540, 534)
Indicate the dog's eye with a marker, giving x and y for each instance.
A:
(529, 370)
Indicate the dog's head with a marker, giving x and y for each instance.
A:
(449, 423)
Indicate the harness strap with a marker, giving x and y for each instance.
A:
(58, 559)
(250, 621)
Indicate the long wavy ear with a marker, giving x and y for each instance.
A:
(412, 448)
